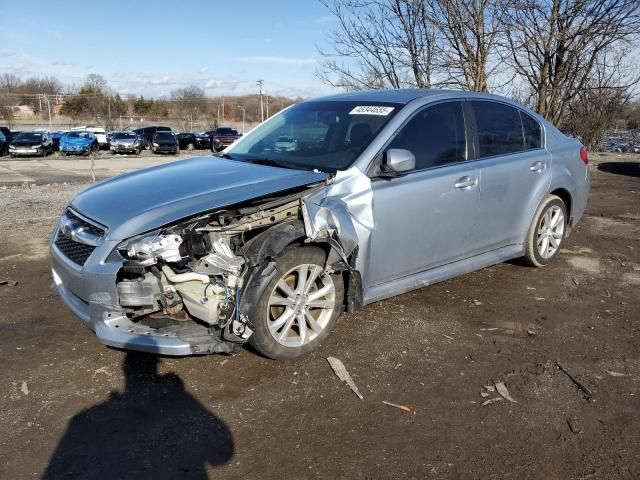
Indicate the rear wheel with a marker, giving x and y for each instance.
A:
(299, 306)
(546, 232)
(191, 146)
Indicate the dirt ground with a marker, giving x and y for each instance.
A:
(72, 408)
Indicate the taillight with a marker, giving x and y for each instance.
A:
(583, 155)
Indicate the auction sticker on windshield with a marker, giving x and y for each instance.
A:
(371, 110)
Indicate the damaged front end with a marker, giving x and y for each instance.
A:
(200, 280)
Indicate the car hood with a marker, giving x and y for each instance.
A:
(123, 141)
(26, 143)
(76, 140)
(147, 199)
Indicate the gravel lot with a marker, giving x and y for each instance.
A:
(72, 408)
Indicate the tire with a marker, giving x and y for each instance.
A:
(191, 146)
(545, 230)
(138, 150)
(296, 342)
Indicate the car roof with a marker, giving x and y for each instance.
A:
(406, 95)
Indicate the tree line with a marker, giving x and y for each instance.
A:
(570, 60)
(94, 101)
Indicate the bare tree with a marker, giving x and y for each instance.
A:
(468, 34)
(189, 100)
(379, 43)
(9, 82)
(591, 114)
(556, 46)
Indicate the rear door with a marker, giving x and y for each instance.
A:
(515, 172)
(425, 218)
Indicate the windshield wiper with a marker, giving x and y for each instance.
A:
(277, 163)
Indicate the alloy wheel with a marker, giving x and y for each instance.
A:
(301, 305)
(550, 232)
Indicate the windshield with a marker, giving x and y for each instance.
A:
(79, 135)
(326, 136)
(164, 136)
(122, 135)
(29, 136)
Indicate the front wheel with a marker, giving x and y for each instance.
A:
(299, 306)
(546, 232)
(191, 147)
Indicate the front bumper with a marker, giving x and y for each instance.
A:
(25, 151)
(165, 149)
(125, 148)
(90, 292)
(75, 148)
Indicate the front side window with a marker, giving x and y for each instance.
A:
(322, 135)
(499, 129)
(435, 135)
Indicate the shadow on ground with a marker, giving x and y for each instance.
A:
(630, 169)
(152, 429)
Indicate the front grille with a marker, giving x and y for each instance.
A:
(77, 252)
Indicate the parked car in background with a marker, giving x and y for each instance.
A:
(165, 142)
(78, 142)
(194, 141)
(31, 143)
(222, 137)
(125, 142)
(99, 132)
(147, 133)
(4, 144)
(285, 143)
(55, 138)
(388, 191)
(8, 134)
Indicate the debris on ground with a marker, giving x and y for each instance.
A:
(573, 426)
(341, 372)
(404, 408)
(531, 331)
(24, 388)
(504, 393)
(575, 380)
(492, 400)
(6, 281)
(447, 336)
(616, 374)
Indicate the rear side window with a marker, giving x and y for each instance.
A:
(499, 129)
(532, 132)
(435, 135)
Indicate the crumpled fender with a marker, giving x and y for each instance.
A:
(343, 211)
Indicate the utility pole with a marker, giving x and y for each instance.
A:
(267, 107)
(109, 112)
(244, 110)
(223, 110)
(48, 107)
(260, 83)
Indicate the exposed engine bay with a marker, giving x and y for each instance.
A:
(209, 269)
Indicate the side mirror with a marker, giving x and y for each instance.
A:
(399, 160)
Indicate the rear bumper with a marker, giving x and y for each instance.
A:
(90, 293)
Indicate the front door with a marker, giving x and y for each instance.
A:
(425, 218)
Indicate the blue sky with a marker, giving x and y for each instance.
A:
(152, 47)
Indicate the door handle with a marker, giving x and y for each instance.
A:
(466, 183)
(537, 167)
